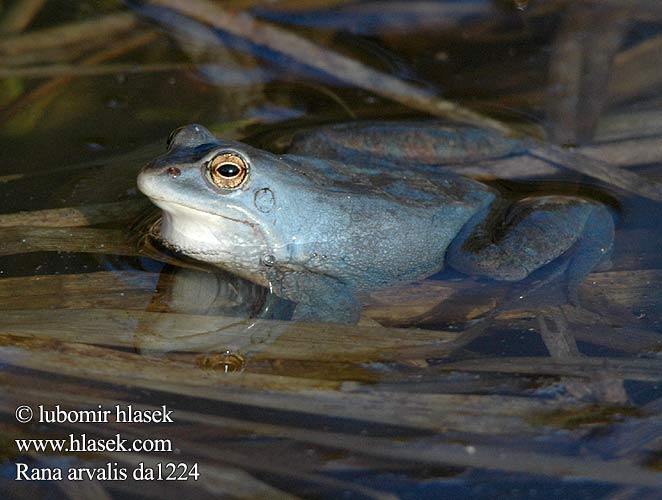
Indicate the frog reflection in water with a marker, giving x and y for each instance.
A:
(358, 207)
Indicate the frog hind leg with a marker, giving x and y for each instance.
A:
(509, 243)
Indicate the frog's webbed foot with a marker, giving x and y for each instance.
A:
(510, 243)
(319, 298)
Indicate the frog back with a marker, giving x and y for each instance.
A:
(374, 224)
(423, 142)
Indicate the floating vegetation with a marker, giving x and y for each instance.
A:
(594, 415)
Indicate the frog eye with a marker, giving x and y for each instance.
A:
(227, 170)
(189, 136)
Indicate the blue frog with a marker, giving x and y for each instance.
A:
(360, 206)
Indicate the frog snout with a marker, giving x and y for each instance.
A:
(158, 166)
(149, 180)
(157, 176)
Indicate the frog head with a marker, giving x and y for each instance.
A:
(219, 200)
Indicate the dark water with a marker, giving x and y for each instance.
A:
(438, 392)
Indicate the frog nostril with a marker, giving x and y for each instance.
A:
(173, 172)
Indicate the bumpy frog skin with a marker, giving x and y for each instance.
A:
(321, 231)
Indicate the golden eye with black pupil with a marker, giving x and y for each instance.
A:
(227, 170)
